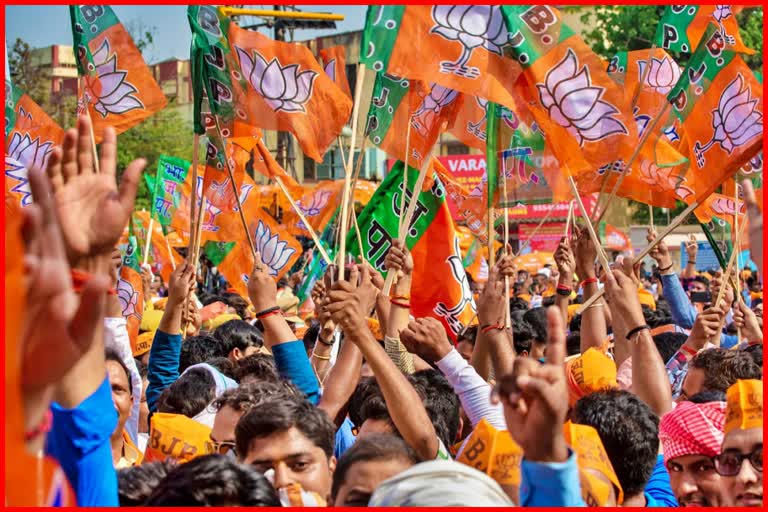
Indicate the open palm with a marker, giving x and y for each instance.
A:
(92, 210)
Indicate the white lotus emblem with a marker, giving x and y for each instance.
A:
(275, 253)
(727, 206)
(575, 104)
(662, 76)
(659, 178)
(115, 96)
(318, 201)
(129, 299)
(431, 106)
(284, 88)
(15, 171)
(451, 315)
(29, 153)
(330, 69)
(473, 26)
(735, 121)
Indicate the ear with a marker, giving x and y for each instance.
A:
(235, 355)
(524, 353)
(460, 430)
(332, 464)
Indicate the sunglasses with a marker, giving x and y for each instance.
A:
(729, 463)
(223, 447)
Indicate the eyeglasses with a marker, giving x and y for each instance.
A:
(729, 463)
(223, 447)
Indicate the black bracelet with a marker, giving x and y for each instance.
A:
(691, 262)
(666, 268)
(267, 311)
(325, 342)
(636, 330)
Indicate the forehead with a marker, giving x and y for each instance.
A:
(116, 373)
(743, 440)
(280, 445)
(367, 475)
(687, 461)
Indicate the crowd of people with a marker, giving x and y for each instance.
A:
(644, 398)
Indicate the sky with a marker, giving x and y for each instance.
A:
(45, 25)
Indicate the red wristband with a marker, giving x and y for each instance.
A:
(688, 350)
(564, 288)
(42, 428)
(268, 314)
(406, 305)
(491, 327)
(589, 280)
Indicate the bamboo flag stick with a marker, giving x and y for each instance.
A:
(90, 129)
(405, 174)
(736, 248)
(507, 318)
(193, 203)
(359, 239)
(601, 257)
(650, 211)
(667, 230)
(170, 252)
(148, 241)
(298, 211)
(632, 159)
(569, 220)
(348, 170)
(358, 168)
(341, 152)
(535, 231)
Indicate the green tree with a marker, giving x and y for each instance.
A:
(632, 27)
(164, 133)
(33, 80)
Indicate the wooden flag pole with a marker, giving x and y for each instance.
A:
(148, 241)
(570, 218)
(170, 252)
(650, 212)
(632, 159)
(90, 129)
(298, 211)
(536, 230)
(359, 239)
(507, 317)
(667, 230)
(348, 171)
(353, 187)
(736, 249)
(602, 258)
(193, 203)
(405, 173)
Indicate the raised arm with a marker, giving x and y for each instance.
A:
(593, 327)
(680, 307)
(403, 402)
(566, 267)
(399, 260)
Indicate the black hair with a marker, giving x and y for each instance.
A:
(469, 335)
(111, 354)
(375, 447)
(522, 337)
(537, 319)
(214, 481)
(246, 397)
(517, 304)
(573, 344)
(279, 415)
(189, 394)
(310, 336)
(548, 301)
(142, 368)
(367, 387)
(235, 301)
(756, 353)
(258, 367)
(199, 349)
(441, 403)
(667, 343)
(702, 279)
(224, 365)
(238, 334)
(723, 367)
(135, 484)
(711, 395)
(210, 299)
(629, 431)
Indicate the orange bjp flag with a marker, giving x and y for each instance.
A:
(282, 87)
(335, 65)
(118, 88)
(317, 205)
(30, 136)
(176, 437)
(130, 290)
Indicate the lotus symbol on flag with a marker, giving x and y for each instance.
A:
(275, 253)
(473, 26)
(27, 152)
(318, 201)
(660, 178)
(433, 103)
(330, 69)
(284, 88)
(663, 74)
(575, 104)
(451, 315)
(113, 95)
(476, 128)
(16, 171)
(736, 120)
(721, 12)
(128, 297)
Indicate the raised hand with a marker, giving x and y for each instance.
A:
(746, 320)
(534, 401)
(181, 282)
(755, 224)
(621, 293)
(728, 295)
(262, 289)
(92, 210)
(707, 325)
(349, 303)
(660, 252)
(147, 277)
(426, 338)
(59, 325)
(692, 249)
(585, 254)
(564, 258)
(491, 303)
(399, 259)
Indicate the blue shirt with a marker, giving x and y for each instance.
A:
(344, 438)
(293, 365)
(79, 441)
(658, 491)
(551, 484)
(163, 367)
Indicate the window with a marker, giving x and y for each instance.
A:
(456, 148)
